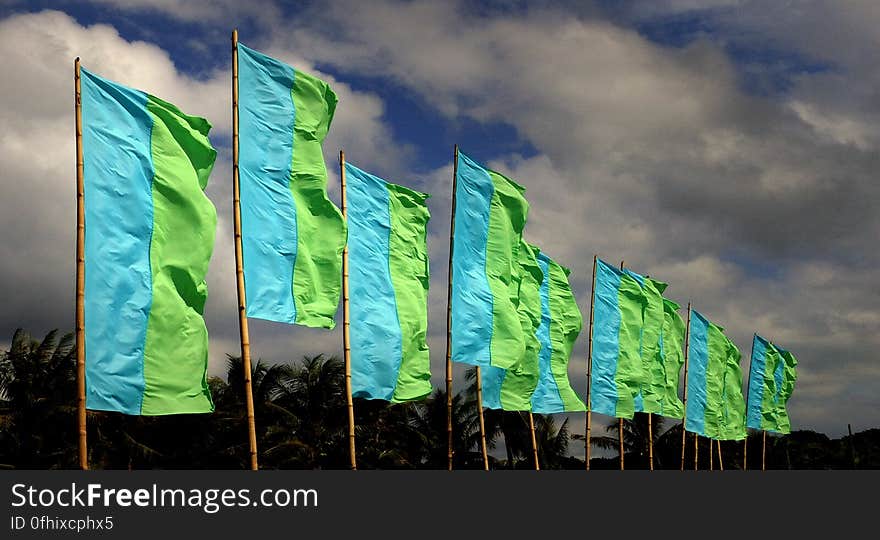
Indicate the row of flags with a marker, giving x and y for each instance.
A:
(149, 234)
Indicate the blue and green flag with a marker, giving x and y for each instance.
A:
(561, 322)
(617, 374)
(652, 392)
(771, 382)
(490, 214)
(715, 405)
(149, 235)
(292, 234)
(388, 283)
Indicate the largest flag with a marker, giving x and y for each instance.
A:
(149, 235)
(490, 214)
(292, 234)
(388, 267)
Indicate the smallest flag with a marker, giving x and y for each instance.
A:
(771, 382)
(388, 267)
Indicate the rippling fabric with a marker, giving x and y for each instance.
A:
(561, 323)
(388, 286)
(511, 389)
(489, 219)
(618, 314)
(715, 405)
(670, 355)
(772, 378)
(292, 234)
(650, 393)
(149, 236)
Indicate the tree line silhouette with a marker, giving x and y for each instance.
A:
(302, 424)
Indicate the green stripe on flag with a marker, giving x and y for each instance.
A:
(733, 413)
(408, 263)
(507, 218)
(566, 323)
(671, 356)
(320, 229)
(520, 381)
(718, 350)
(176, 347)
(653, 390)
(630, 375)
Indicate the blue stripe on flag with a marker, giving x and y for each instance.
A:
(376, 338)
(756, 385)
(606, 343)
(268, 210)
(638, 401)
(472, 298)
(546, 398)
(492, 378)
(698, 362)
(118, 177)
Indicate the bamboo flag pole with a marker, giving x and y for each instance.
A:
(687, 337)
(534, 441)
(449, 446)
(696, 452)
(482, 420)
(720, 460)
(346, 343)
(239, 272)
(764, 450)
(711, 449)
(748, 389)
(620, 421)
(80, 276)
(590, 366)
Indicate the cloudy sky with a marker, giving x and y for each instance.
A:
(729, 147)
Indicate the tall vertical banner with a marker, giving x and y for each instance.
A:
(618, 374)
(490, 214)
(772, 378)
(715, 405)
(661, 362)
(561, 322)
(149, 236)
(388, 281)
(292, 234)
